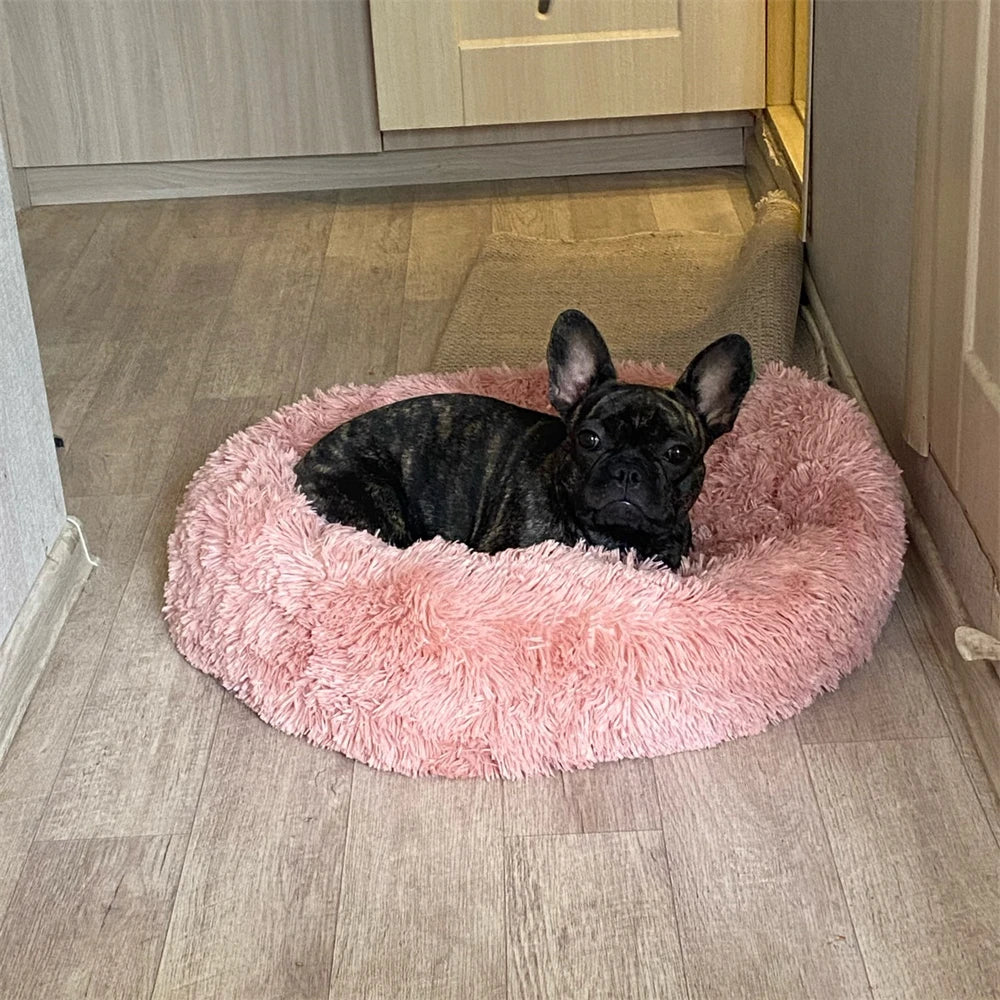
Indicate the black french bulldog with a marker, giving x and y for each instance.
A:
(620, 466)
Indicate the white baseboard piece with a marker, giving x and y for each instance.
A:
(717, 147)
(31, 639)
(973, 688)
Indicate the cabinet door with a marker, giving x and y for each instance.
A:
(113, 81)
(444, 63)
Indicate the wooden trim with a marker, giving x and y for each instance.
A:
(780, 51)
(802, 51)
(790, 29)
(18, 179)
(482, 135)
(562, 157)
(31, 639)
(918, 350)
(974, 686)
(767, 166)
(19, 192)
(806, 115)
(790, 132)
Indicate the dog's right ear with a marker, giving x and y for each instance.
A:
(579, 360)
(717, 380)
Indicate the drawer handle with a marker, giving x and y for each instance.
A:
(543, 6)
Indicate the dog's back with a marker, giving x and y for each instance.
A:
(432, 466)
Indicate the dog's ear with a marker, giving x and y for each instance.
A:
(578, 360)
(717, 380)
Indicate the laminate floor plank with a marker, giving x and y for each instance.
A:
(72, 381)
(110, 278)
(688, 199)
(615, 797)
(115, 527)
(136, 759)
(249, 216)
(595, 214)
(591, 917)
(135, 762)
(537, 207)
(256, 908)
(353, 331)
(85, 304)
(742, 199)
(446, 233)
(53, 238)
(99, 936)
(124, 440)
(257, 344)
(937, 677)
(760, 907)
(919, 865)
(422, 904)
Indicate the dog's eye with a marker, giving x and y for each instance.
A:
(678, 454)
(588, 440)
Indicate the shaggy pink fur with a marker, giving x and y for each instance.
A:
(439, 660)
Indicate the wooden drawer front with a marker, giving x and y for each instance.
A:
(119, 81)
(560, 78)
(444, 63)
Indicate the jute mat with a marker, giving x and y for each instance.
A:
(655, 296)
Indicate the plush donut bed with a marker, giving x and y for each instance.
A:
(440, 660)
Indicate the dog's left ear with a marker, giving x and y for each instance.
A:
(578, 360)
(717, 380)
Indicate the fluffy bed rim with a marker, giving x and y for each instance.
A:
(440, 660)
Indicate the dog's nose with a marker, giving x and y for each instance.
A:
(626, 475)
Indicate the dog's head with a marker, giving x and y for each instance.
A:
(632, 464)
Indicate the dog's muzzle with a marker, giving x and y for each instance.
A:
(622, 490)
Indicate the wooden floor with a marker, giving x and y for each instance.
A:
(158, 840)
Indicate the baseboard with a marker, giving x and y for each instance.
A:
(974, 686)
(587, 128)
(841, 372)
(717, 147)
(32, 637)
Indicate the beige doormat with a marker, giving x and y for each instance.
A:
(655, 296)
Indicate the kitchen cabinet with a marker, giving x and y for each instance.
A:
(117, 99)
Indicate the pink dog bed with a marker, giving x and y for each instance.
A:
(440, 660)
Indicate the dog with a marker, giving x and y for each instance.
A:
(619, 467)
